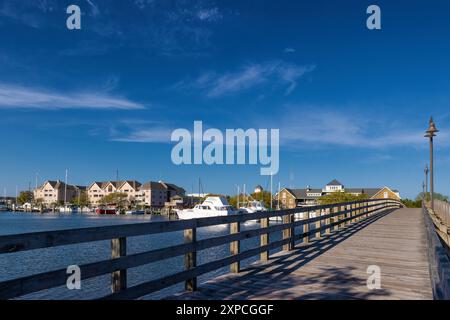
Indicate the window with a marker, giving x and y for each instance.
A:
(386, 195)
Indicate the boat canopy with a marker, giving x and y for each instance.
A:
(216, 201)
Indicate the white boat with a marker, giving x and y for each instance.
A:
(68, 209)
(3, 207)
(211, 207)
(253, 206)
(135, 212)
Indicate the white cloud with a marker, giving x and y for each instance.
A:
(150, 135)
(289, 50)
(318, 127)
(94, 9)
(142, 4)
(16, 97)
(249, 76)
(211, 14)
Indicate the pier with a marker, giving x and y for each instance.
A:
(326, 252)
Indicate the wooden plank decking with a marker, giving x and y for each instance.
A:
(335, 266)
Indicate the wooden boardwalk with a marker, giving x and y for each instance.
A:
(335, 266)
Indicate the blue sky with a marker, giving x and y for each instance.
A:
(350, 103)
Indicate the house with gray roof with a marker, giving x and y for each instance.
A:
(54, 191)
(289, 198)
(156, 194)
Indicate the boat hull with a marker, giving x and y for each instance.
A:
(105, 211)
(187, 214)
(135, 213)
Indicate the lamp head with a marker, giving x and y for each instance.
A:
(431, 132)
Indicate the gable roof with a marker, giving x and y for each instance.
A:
(174, 187)
(152, 185)
(334, 182)
(301, 193)
(133, 183)
(314, 190)
(389, 189)
(58, 184)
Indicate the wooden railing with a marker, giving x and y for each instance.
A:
(442, 211)
(438, 255)
(325, 218)
(440, 217)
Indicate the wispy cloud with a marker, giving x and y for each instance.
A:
(249, 76)
(149, 135)
(211, 14)
(289, 50)
(142, 4)
(12, 96)
(94, 9)
(319, 127)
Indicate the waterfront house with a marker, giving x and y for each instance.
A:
(98, 189)
(52, 192)
(151, 194)
(156, 194)
(289, 198)
(132, 189)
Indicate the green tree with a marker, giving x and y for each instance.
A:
(24, 197)
(437, 196)
(81, 199)
(412, 203)
(263, 196)
(116, 197)
(340, 197)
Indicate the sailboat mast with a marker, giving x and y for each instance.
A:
(271, 196)
(65, 192)
(278, 196)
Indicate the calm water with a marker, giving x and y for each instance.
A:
(31, 262)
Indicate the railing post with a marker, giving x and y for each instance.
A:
(306, 228)
(292, 220)
(318, 223)
(190, 258)
(235, 247)
(353, 212)
(328, 211)
(289, 232)
(264, 239)
(342, 215)
(336, 217)
(118, 278)
(361, 211)
(349, 214)
(366, 210)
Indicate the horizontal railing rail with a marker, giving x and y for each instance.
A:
(438, 257)
(442, 211)
(440, 217)
(325, 218)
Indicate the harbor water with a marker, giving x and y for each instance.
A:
(25, 263)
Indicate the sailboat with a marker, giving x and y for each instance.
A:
(253, 206)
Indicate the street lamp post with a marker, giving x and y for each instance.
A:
(423, 191)
(430, 133)
(426, 171)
